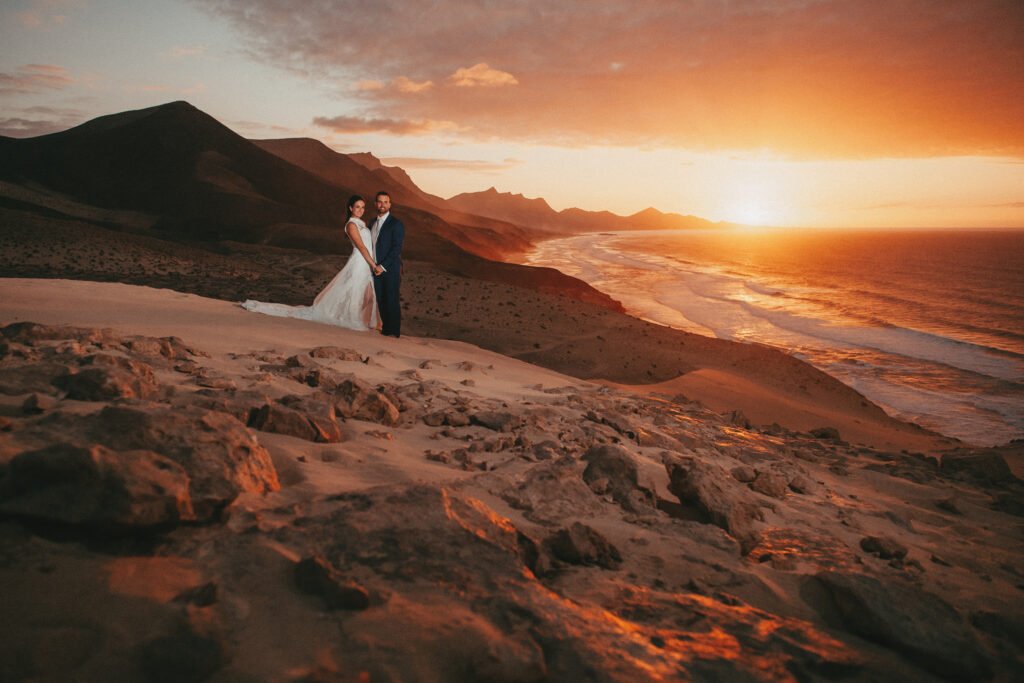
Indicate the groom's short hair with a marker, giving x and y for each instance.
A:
(382, 193)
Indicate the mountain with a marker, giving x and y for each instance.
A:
(538, 214)
(488, 237)
(201, 180)
(176, 173)
(514, 208)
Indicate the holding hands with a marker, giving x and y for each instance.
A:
(377, 269)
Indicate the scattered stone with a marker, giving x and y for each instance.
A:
(336, 353)
(468, 383)
(315, 576)
(41, 377)
(581, 544)
(744, 473)
(738, 419)
(355, 399)
(986, 467)
(39, 403)
(279, 419)
(950, 504)
(551, 492)
(615, 464)
(497, 421)
(884, 547)
(718, 498)
(801, 483)
(107, 377)
(97, 487)
(914, 623)
(826, 433)
(770, 483)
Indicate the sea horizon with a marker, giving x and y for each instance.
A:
(872, 307)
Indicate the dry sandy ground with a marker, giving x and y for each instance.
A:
(513, 524)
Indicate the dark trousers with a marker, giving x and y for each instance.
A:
(389, 304)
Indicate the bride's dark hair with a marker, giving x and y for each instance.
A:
(352, 202)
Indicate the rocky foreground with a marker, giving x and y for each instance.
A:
(425, 511)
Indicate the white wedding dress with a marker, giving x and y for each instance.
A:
(347, 301)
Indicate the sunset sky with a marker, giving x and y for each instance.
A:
(793, 112)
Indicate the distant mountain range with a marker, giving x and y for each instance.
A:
(538, 214)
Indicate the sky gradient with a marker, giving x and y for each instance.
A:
(795, 112)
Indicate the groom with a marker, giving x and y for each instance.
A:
(387, 235)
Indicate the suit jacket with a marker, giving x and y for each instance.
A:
(388, 248)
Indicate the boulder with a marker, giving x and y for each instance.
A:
(221, 457)
(495, 420)
(105, 377)
(884, 547)
(614, 464)
(96, 486)
(315, 576)
(770, 483)
(279, 419)
(717, 497)
(981, 466)
(355, 399)
(919, 625)
(581, 544)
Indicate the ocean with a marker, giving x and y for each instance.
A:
(928, 324)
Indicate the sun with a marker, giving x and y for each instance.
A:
(751, 211)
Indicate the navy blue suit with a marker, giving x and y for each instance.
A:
(388, 251)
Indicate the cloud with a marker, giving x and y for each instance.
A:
(356, 125)
(183, 52)
(408, 85)
(481, 75)
(33, 78)
(798, 78)
(32, 121)
(478, 165)
(1007, 205)
(370, 86)
(41, 14)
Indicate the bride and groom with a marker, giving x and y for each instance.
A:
(364, 295)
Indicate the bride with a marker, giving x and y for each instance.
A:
(348, 300)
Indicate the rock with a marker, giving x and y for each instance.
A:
(884, 547)
(581, 544)
(97, 487)
(318, 409)
(39, 403)
(826, 433)
(336, 353)
(950, 504)
(744, 473)
(615, 464)
(919, 625)
(279, 419)
(770, 483)
(220, 456)
(801, 483)
(315, 576)
(985, 467)
(356, 399)
(716, 497)
(738, 419)
(546, 450)
(183, 658)
(107, 377)
(1008, 502)
(498, 421)
(551, 492)
(30, 333)
(451, 418)
(200, 596)
(40, 377)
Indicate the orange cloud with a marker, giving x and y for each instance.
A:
(32, 78)
(408, 85)
(803, 78)
(355, 124)
(481, 75)
(478, 165)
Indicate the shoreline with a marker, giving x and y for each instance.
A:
(889, 364)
